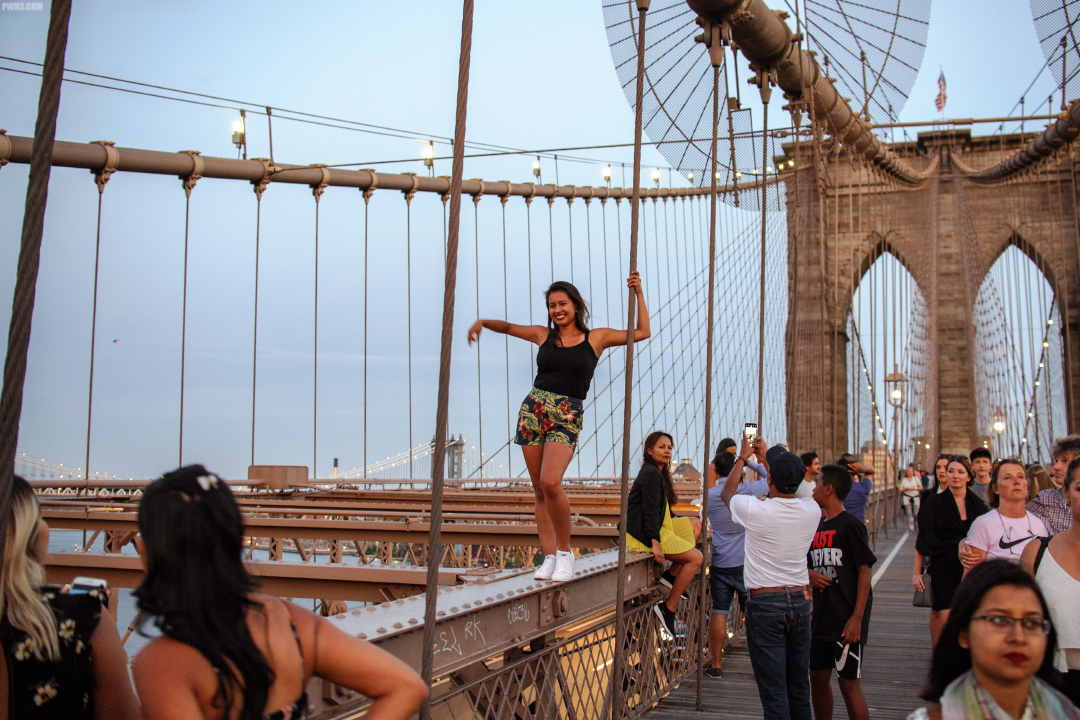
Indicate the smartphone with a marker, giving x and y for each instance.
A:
(83, 585)
(750, 432)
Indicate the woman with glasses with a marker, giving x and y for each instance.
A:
(1004, 532)
(995, 657)
(1055, 563)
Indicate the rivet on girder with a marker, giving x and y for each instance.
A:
(318, 189)
(112, 159)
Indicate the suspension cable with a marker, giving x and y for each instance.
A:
(443, 400)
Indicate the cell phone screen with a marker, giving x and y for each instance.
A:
(750, 432)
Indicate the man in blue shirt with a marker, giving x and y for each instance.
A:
(726, 573)
(861, 486)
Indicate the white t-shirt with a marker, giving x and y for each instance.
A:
(806, 490)
(1004, 538)
(911, 484)
(778, 535)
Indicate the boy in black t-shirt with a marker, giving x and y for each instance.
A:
(839, 561)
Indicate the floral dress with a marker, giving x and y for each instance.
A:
(43, 690)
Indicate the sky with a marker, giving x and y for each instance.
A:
(542, 77)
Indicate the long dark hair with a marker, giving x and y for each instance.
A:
(962, 460)
(196, 590)
(947, 458)
(950, 661)
(581, 313)
(665, 473)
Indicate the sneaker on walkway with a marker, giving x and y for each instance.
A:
(713, 673)
(546, 569)
(668, 581)
(564, 567)
(667, 620)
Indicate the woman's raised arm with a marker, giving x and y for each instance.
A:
(610, 337)
(533, 333)
(340, 658)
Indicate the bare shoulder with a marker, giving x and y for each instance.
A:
(164, 657)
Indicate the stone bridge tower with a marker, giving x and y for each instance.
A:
(947, 233)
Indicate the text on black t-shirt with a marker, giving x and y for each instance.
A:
(841, 546)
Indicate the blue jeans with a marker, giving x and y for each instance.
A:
(778, 637)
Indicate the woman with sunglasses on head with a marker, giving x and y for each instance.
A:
(995, 657)
(225, 651)
(62, 657)
(550, 417)
(1004, 532)
(945, 520)
(939, 484)
(1055, 563)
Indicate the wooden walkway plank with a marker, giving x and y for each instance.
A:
(894, 669)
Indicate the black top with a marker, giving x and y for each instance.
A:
(645, 505)
(566, 370)
(940, 526)
(841, 546)
(42, 689)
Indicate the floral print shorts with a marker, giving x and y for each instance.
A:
(546, 417)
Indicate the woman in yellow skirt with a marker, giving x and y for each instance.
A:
(650, 526)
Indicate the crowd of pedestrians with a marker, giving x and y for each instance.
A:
(1003, 575)
(997, 560)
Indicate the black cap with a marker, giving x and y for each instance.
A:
(786, 469)
(980, 452)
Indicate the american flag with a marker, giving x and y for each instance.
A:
(939, 101)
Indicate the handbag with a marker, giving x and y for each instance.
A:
(925, 597)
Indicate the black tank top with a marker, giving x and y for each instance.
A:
(566, 370)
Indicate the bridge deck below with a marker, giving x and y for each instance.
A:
(894, 669)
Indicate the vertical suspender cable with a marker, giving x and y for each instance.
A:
(703, 628)
(255, 323)
(408, 311)
(528, 236)
(443, 402)
(616, 676)
(93, 337)
(367, 201)
(315, 363)
(22, 304)
(479, 379)
(766, 91)
(506, 340)
(183, 322)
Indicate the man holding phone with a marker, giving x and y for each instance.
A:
(861, 486)
(779, 531)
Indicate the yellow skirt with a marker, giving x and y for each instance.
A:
(676, 536)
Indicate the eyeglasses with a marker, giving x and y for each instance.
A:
(1003, 623)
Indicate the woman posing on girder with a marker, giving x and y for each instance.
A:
(550, 418)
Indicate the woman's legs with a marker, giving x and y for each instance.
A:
(696, 524)
(534, 457)
(685, 566)
(938, 618)
(547, 464)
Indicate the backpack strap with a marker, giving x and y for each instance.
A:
(1044, 542)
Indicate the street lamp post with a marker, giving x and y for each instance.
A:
(894, 385)
(997, 424)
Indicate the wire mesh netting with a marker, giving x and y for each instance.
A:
(1056, 26)
(874, 48)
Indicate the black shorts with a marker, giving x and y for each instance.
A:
(845, 659)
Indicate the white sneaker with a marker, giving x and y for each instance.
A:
(564, 567)
(544, 571)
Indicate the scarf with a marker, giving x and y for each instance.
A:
(965, 699)
(940, 526)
